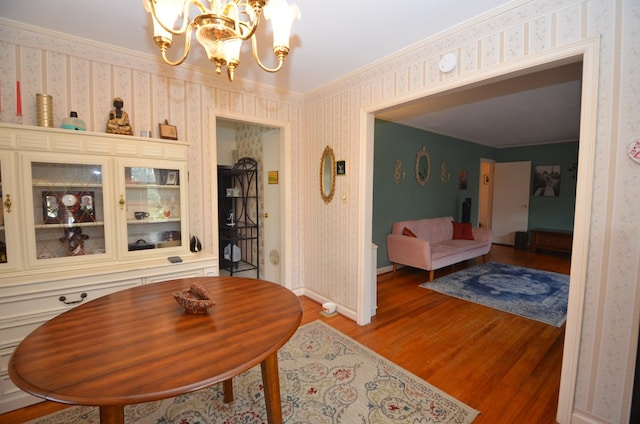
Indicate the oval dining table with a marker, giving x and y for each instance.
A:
(139, 345)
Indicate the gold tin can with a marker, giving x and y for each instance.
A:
(44, 103)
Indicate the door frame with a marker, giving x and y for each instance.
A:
(284, 178)
(586, 51)
(485, 194)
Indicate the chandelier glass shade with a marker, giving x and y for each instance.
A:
(221, 26)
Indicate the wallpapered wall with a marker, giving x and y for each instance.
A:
(85, 77)
(326, 240)
(523, 29)
(442, 195)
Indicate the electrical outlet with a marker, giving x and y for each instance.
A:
(344, 197)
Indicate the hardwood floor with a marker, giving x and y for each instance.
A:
(505, 366)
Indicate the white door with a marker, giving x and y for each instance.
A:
(270, 221)
(510, 200)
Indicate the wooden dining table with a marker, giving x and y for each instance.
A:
(139, 345)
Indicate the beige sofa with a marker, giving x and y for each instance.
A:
(431, 243)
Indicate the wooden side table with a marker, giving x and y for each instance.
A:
(553, 240)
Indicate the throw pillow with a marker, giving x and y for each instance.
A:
(462, 231)
(408, 232)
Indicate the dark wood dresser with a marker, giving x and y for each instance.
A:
(554, 240)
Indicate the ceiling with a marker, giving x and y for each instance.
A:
(335, 38)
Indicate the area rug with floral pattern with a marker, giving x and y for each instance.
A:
(325, 377)
(529, 293)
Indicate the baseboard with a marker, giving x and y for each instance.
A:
(386, 269)
(584, 418)
(342, 310)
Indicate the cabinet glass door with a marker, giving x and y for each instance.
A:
(9, 257)
(153, 208)
(68, 209)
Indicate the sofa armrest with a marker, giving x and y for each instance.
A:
(410, 251)
(482, 234)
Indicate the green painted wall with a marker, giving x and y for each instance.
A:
(443, 196)
(549, 212)
(408, 200)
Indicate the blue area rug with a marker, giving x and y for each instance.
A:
(530, 293)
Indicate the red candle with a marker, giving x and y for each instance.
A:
(18, 99)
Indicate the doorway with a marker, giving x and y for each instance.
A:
(485, 193)
(236, 139)
(587, 53)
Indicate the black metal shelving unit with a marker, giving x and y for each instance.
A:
(238, 217)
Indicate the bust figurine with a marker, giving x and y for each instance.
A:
(118, 122)
(76, 239)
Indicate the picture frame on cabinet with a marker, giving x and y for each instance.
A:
(168, 132)
(172, 178)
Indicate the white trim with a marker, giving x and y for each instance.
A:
(285, 179)
(581, 418)
(587, 51)
(582, 220)
(365, 202)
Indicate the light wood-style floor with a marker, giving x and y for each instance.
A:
(505, 366)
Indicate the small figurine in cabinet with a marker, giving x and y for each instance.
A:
(76, 239)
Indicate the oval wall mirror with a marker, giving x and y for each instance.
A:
(327, 174)
(423, 167)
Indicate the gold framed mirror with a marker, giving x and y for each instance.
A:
(327, 174)
(423, 167)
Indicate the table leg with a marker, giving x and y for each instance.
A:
(271, 383)
(227, 390)
(112, 414)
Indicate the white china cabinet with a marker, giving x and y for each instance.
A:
(83, 215)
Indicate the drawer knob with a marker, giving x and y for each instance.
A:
(64, 300)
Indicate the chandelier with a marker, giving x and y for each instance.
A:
(221, 28)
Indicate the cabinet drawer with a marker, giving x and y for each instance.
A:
(21, 314)
(174, 275)
(6, 385)
(47, 303)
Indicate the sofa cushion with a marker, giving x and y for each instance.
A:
(408, 232)
(462, 231)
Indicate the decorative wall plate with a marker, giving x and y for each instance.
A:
(634, 151)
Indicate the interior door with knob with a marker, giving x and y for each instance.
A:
(510, 200)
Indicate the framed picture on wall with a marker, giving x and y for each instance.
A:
(546, 181)
(463, 179)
